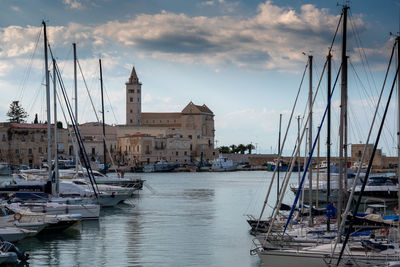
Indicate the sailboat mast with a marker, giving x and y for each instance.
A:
(102, 111)
(279, 156)
(298, 153)
(343, 121)
(55, 185)
(345, 92)
(328, 143)
(398, 123)
(76, 103)
(310, 141)
(46, 67)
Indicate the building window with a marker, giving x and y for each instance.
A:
(131, 99)
(131, 110)
(40, 149)
(93, 151)
(17, 151)
(131, 121)
(4, 138)
(23, 138)
(190, 136)
(198, 137)
(177, 153)
(131, 91)
(185, 153)
(30, 151)
(138, 91)
(138, 99)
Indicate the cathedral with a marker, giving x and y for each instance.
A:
(177, 137)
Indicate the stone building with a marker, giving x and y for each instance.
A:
(142, 149)
(193, 126)
(26, 144)
(92, 135)
(380, 161)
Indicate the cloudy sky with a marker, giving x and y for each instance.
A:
(244, 59)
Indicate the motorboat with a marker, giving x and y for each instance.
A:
(87, 211)
(222, 164)
(14, 234)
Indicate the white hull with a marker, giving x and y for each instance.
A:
(87, 211)
(111, 200)
(15, 234)
(304, 258)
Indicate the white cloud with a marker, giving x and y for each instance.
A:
(16, 8)
(272, 39)
(73, 4)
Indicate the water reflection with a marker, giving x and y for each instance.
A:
(187, 220)
(199, 194)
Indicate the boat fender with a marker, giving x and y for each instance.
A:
(17, 216)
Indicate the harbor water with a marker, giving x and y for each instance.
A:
(180, 219)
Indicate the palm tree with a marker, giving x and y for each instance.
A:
(242, 148)
(224, 149)
(250, 147)
(234, 148)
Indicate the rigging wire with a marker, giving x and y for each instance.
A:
(29, 68)
(111, 107)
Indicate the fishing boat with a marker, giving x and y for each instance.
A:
(222, 164)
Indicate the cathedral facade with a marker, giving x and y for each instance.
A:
(177, 137)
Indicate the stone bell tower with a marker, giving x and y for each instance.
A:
(133, 100)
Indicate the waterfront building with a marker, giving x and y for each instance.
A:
(26, 143)
(191, 131)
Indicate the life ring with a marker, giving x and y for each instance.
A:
(17, 216)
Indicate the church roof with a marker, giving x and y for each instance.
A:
(192, 108)
(159, 115)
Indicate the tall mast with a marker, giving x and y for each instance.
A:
(298, 153)
(76, 104)
(46, 66)
(279, 156)
(102, 111)
(398, 122)
(75, 85)
(343, 121)
(328, 144)
(345, 92)
(55, 185)
(310, 141)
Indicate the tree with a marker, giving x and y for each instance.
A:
(224, 150)
(59, 125)
(36, 121)
(233, 148)
(16, 113)
(250, 147)
(241, 148)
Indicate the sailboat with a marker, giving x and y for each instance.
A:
(365, 252)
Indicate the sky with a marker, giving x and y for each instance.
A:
(244, 59)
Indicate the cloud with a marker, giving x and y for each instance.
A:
(16, 8)
(73, 4)
(273, 39)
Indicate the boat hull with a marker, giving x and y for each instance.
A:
(285, 258)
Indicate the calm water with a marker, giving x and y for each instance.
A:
(187, 219)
